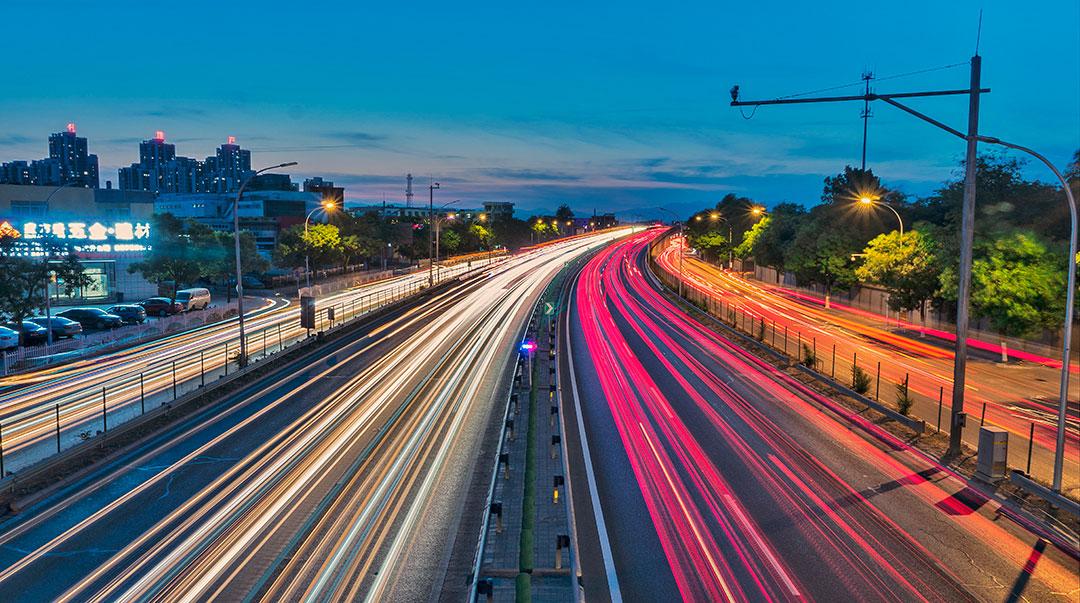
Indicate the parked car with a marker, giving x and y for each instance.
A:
(161, 306)
(129, 313)
(92, 318)
(193, 299)
(60, 326)
(31, 332)
(9, 339)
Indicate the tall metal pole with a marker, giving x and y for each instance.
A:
(730, 247)
(307, 252)
(967, 238)
(242, 359)
(431, 233)
(1070, 302)
(46, 250)
(867, 76)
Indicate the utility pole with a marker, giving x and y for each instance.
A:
(866, 76)
(967, 237)
(967, 224)
(431, 233)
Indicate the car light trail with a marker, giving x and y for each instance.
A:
(328, 507)
(714, 467)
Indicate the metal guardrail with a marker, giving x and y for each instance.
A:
(1025, 483)
(80, 415)
(917, 425)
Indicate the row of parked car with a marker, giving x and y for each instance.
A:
(71, 322)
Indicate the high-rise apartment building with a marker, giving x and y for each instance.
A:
(68, 164)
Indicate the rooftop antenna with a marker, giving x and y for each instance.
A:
(978, 34)
(866, 114)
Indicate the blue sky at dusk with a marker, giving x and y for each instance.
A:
(614, 107)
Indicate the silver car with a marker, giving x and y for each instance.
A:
(9, 339)
(60, 326)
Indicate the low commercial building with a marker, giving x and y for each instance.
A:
(264, 213)
(108, 229)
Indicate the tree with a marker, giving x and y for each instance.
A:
(751, 238)
(822, 256)
(564, 214)
(222, 263)
(906, 266)
(773, 245)
(181, 252)
(450, 242)
(1017, 284)
(480, 237)
(23, 286)
(539, 227)
(711, 244)
(320, 243)
(510, 232)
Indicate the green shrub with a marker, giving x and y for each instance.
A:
(903, 400)
(860, 380)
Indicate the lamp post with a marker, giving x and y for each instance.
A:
(1063, 394)
(431, 233)
(46, 251)
(438, 220)
(869, 201)
(731, 249)
(327, 205)
(242, 359)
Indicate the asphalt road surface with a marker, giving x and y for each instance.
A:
(710, 475)
(1018, 396)
(339, 477)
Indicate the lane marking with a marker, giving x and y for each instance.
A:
(598, 512)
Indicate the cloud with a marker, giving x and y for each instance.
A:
(15, 139)
(359, 138)
(175, 112)
(528, 174)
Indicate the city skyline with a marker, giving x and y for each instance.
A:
(613, 111)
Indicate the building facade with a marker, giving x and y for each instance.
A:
(107, 229)
(161, 170)
(264, 213)
(69, 164)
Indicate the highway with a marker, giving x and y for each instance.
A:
(707, 474)
(340, 476)
(143, 375)
(1017, 397)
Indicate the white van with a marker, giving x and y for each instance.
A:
(193, 299)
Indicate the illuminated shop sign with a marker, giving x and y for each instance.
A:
(85, 231)
(85, 237)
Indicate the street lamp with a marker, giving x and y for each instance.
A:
(328, 206)
(438, 221)
(731, 249)
(242, 359)
(431, 233)
(45, 251)
(868, 201)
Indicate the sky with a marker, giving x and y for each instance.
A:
(602, 106)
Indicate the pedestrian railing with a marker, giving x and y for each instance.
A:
(870, 373)
(76, 413)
